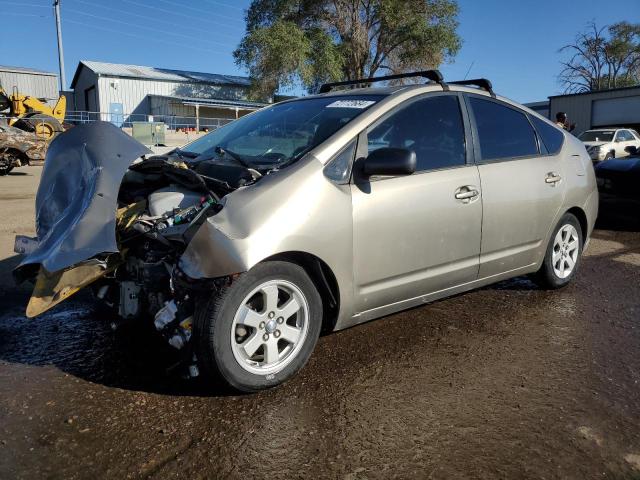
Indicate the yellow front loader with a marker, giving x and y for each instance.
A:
(32, 114)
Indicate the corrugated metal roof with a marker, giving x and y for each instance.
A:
(596, 92)
(162, 74)
(214, 102)
(33, 71)
(537, 104)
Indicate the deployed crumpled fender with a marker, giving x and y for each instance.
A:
(77, 197)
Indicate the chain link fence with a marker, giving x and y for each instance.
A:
(126, 120)
(178, 130)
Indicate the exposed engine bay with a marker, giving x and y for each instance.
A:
(159, 204)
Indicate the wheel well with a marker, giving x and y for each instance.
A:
(19, 154)
(582, 218)
(324, 280)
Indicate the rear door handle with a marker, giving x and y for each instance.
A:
(552, 178)
(466, 193)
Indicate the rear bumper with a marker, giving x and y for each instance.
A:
(591, 211)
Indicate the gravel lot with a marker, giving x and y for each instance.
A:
(504, 382)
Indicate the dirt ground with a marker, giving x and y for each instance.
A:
(504, 382)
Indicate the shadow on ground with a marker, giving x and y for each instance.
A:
(619, 214)
(76, 337)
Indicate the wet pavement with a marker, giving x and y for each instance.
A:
(504, 382)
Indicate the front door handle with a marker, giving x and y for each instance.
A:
(467, 193)
(552, 178)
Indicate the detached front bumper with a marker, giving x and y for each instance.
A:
(597, 155)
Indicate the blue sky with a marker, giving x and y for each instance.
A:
(513, 43)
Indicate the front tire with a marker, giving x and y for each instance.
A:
(563, 254)
(7, 162)
(259, 331)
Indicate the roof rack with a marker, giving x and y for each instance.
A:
(433, 75)
(483, 83)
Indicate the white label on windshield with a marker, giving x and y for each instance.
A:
(351, 104)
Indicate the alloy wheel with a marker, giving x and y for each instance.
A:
(270, 327)
(565, 251)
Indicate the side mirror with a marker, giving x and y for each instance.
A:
(389, 161)
(631, 150)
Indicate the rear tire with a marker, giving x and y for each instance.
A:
(562, 258)
(609, 156)
(259, 331)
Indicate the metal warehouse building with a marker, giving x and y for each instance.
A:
(29, 81)
(618, 107)
(124, 93)
(540, 107)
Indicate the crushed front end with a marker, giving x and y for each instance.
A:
(110, 219)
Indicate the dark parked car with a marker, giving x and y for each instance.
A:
(620, 177)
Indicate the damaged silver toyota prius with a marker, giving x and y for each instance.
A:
(313, 214)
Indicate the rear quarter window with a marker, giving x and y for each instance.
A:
(503, 132)
(550, 136)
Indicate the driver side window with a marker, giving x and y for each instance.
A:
(432, 127)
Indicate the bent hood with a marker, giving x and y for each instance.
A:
(77, 198)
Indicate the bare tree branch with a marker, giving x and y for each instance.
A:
(601, 57)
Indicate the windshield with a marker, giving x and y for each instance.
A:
(282, 133)
(596, 136)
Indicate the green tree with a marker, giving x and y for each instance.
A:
(602, 58)
(308, 42)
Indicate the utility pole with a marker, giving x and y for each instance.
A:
(56, 10)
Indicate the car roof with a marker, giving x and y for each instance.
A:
(365, 91)
(395, 90)
(388, 92)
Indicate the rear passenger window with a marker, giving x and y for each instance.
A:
(551, 137)
(432, 127)
(503, 132)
